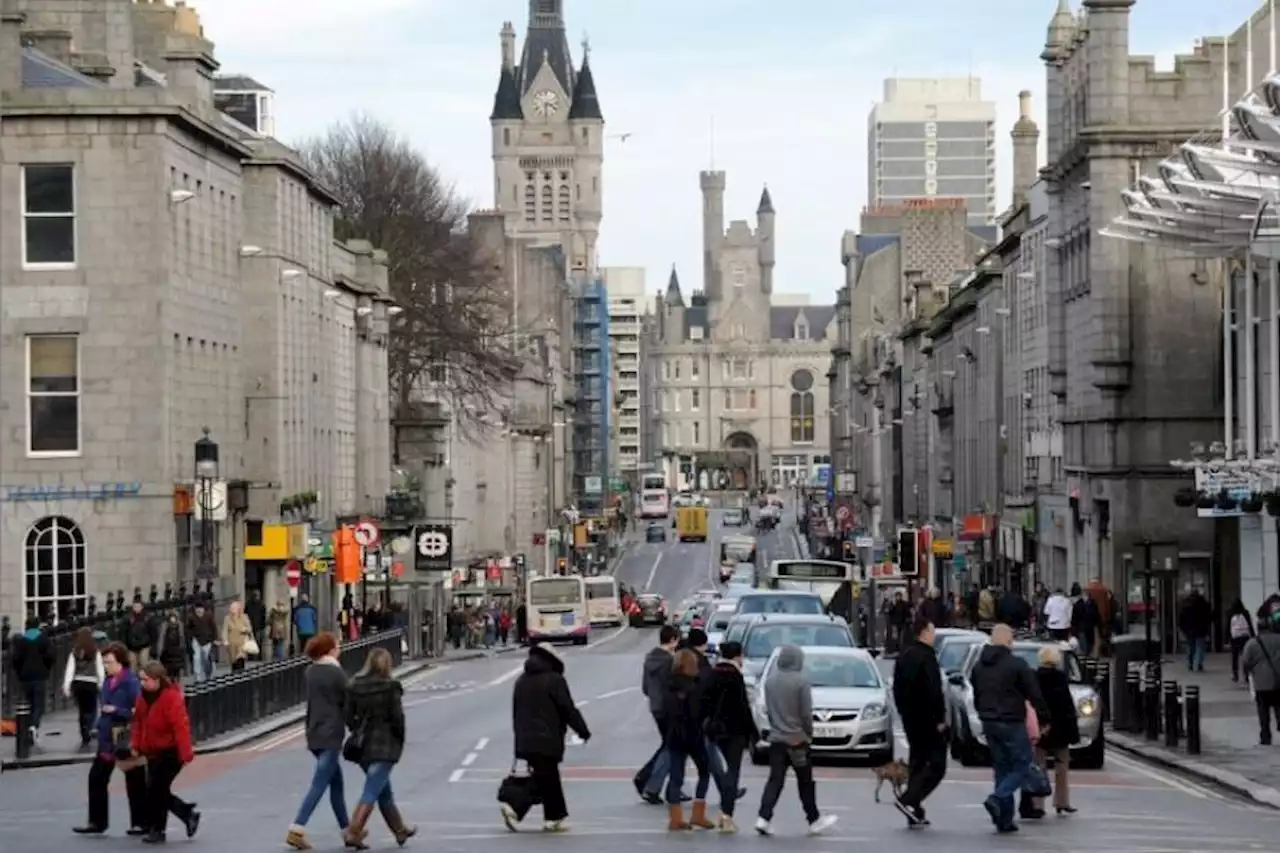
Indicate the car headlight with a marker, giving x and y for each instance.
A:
(874, 711)
(1087, 707)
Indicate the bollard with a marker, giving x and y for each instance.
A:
(22, 731)
(1191, 698)
(1133, 687)
(1151, 711)
(1171, 714)
(1103, 686)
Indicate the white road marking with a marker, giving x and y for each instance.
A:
(618, 632)
(653, 570)
(1165, 778)
(469, 759)
(456, 775)
(621, 692)
(482, 743)
(506, 676)
(580, 703)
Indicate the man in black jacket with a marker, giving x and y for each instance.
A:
(33, 664)
(917, 694)
(654, 679)
(1003, 686)
(140, 635)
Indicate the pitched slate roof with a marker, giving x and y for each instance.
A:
(586, 104)
(40, 71)
(782, 321)
(238, 83)
(506, 100)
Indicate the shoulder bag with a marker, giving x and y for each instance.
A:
(353, 747)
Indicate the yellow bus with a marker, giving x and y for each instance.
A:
(556, 608)
(691, 523)
(604, 604)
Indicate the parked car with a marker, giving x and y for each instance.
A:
(852, 711)
(648, 609)
(733, 517)
(655, 532)
(969, 744)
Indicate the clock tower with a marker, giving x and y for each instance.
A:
(548, 145)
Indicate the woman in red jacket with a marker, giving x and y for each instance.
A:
(162, 734)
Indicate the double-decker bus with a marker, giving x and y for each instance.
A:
(831, 579)
(655, 500)
(557, 609)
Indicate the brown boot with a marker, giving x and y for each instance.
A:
(297, 839)
(356, 833)
(698, 820)
(675, 818)
(402, 831)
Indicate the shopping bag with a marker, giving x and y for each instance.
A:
(518, 791)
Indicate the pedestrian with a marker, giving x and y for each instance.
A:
(1260, 661)
(1004, 692)
(202, 631)
(114, 729)
(684, 740)
(1055, 739)
(278, 630)
(82, 680)
(933, 609)
(140, 635)
(171, 646)
(542, 713)
(32, 662)
(326, 729)
(1057, 615)
(162, 735)
(729, 725)
(375, 718)
(1084, 620)
(237, 636)
(922, 707)
(256, 610)
(306, 620)
(1196, 622)
(1239, 629)
(654, 679)
(789, 707)
(898, 618)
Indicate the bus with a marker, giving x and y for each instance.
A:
(604, 602)
(556, 608)
(825, 577)
(655, 500)
(736, 550)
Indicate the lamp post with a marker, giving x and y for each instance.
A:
(206, 475)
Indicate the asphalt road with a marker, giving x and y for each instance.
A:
(460, 746)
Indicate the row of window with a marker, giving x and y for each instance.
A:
(802, 424)
(935, 130)
(916, 187)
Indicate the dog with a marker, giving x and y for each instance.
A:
(895, 773)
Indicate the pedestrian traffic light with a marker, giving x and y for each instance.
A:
(562, 564)
(908, 563)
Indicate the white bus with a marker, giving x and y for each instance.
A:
(824, 577)
(604, 604)
(556, 609)
(655, 500)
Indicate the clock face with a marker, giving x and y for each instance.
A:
(546, 103)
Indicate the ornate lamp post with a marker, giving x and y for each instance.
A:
(206, 475)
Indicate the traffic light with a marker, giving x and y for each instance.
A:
(908, 563)
(562, 565)
(848, 550)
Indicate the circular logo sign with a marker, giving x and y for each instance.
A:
(433, 543)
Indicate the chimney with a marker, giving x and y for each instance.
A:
(11, 50)
(508, 37)
(1026, 144)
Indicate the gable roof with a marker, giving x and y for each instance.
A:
(782, 321)
(41, 71)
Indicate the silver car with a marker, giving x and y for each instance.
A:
(852, 714)
(969, 743)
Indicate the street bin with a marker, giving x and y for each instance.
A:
(1126, 649)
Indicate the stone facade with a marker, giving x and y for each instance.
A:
(738, 372)
(159, 304)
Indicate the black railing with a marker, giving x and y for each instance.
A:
(109, 624)
(235, 700)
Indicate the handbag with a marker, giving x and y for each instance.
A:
(122, 741)
(518, 791)
(1037, 782)
(250, 647)
(353, 746)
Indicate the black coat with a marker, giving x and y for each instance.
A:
(917, 692)
(683, 715)
(1064, 725)
(726, 711)
(326, 724)
(375, 711)
(542, 708)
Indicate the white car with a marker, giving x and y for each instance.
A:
(717, 622)
(852, 711)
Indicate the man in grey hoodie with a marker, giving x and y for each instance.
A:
(654, 680)
(789, 702)
(1260, 661)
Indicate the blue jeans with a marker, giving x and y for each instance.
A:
(675, 781)
(202, 660)
(377, 785)
(1196, 648)
(1011, 762)
(278, 648)
(328, 774)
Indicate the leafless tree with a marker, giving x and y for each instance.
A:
(454, 329)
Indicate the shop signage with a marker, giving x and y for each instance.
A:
(70, 492)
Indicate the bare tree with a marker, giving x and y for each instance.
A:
(454, 329)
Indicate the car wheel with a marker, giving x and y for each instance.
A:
(1092, 757)
(579, 641)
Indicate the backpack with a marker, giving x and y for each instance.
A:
(1239, 626)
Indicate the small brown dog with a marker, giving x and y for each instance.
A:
(895, 773)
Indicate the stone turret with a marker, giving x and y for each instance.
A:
(765, 224)
(1062, 29)
(673, 311)
(712, 231)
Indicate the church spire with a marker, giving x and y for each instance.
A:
(586, 104)
(673, 299)
(766, 202)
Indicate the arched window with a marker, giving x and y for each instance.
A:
(562, 202)
(547, 197)
(55, 568)
(802, 427)
(530, 202)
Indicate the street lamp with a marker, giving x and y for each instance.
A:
(206, 475)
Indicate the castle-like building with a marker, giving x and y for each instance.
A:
(740, 373)
(547, 139)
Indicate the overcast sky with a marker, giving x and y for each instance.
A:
(786, 85)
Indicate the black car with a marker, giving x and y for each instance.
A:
(655, 533)
(648, 609)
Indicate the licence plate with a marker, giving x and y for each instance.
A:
(827, 731)
(566, 619)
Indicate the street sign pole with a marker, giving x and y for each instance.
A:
(866, 553)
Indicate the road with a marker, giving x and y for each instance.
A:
(460, 746)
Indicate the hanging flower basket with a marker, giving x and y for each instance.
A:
(1252, 504)
(1184, 498)
(1225, 502)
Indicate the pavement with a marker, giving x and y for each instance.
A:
(460, 746)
